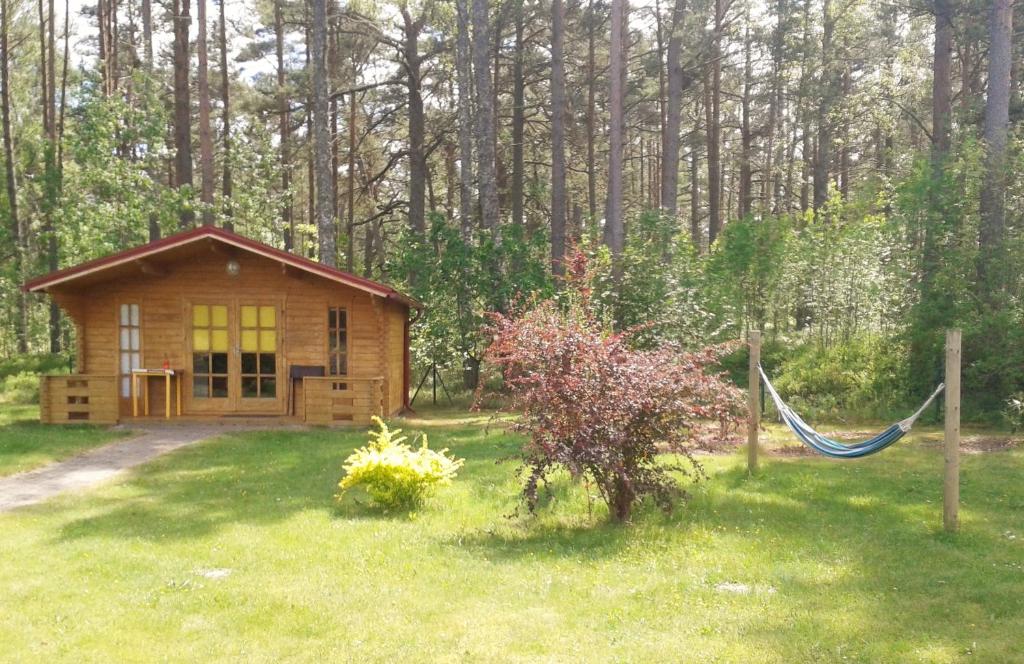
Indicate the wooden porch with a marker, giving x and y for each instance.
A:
(320, 401)
(332, 400)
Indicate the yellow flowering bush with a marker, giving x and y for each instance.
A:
(395, 475)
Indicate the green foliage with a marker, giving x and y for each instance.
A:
(256, 199)
(860, 377)
(746, 270)
(774, 352)
(662, 286)
(21, 388)
(40, 363)
(839, 271)
(394, 474)
(109, 199)
(458, 280)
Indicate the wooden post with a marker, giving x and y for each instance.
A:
(951, 486)
(167, 396)
(753, 402)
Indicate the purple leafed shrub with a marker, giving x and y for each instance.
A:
(623, 418)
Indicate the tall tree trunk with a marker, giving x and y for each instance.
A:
(44, 86)
(115, 44)
(661, 48)
(103, 43)
(284, 128)
(519, 113)
(335, 164)
(500, 168)
(558, 114)
(21, 320)
(485, 136)
(746, 194)
(310, 212)
(942, 86)
(823, 159)
(322, 137)
(205, 133)
(225, 97)
(696, 236)
(992, 231)
(614, 230)
(714, 188)
(806, 156)
(182, 107)
(712, 109)
(351, 225)
(333, 68)
(845, 160)
(673, 113)
(591, 111)
(147, 34)
(51, 63)
(51, 185)
(464, 73)
(106, 12)
(147, 46)
(774, 139)
(417, 128)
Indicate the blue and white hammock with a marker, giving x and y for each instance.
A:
(833, 448)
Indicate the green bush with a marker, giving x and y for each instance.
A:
(21, 388)
(41, 363)
(395, 475)
(863, 377)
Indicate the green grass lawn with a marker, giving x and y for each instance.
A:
(234, 550)
(26, 444)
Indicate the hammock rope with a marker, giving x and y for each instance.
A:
(833, 448)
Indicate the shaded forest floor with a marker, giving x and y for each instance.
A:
(235, 548)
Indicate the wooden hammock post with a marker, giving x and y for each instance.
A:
(951, 486)
(753, 405)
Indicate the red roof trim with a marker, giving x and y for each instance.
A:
(189, 236)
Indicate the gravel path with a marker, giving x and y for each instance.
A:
(98, 465)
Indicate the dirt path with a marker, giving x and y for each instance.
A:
(98, 465)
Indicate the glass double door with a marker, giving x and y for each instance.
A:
(236, 363)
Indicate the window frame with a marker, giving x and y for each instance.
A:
(124, 382)
(210, 375)
(259, 375)
(341, 351)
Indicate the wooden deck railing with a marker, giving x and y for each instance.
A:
(78, 399)
(342, 399)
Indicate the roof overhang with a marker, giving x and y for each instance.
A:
(138, 256)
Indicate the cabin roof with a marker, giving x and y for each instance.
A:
(82, 272)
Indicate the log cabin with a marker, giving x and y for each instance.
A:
(208, 324)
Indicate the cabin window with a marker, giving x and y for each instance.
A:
(210, 351)
(130, 344)
(259, 352)
(337, 341)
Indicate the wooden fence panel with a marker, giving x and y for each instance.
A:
(78, 399)
(336, 400)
